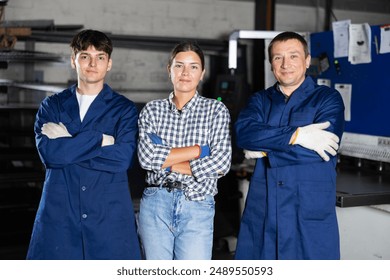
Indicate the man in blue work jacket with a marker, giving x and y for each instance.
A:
(293, 129)
(86, 138)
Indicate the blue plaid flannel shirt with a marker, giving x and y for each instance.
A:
(202, 121)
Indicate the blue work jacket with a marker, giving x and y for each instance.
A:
(290, 208)
(86, 210)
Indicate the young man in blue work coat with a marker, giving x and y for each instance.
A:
(293, 129)
(86, 138)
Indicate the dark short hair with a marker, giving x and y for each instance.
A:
(186, 46)
(86, 38)
(284, 36)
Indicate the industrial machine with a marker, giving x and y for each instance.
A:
(365, 145)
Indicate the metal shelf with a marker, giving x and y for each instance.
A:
(19, 153)
(22, 177)
(28, 56)
(131, 41)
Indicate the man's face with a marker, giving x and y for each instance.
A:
(289, 64)
(91, 65)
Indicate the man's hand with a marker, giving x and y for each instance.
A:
(254, 154)
(108, 140)
(53, 130)
(315, 137)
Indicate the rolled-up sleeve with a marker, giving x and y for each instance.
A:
(218, 163)
(151, 156)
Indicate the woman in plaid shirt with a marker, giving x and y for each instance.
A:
(184, 144)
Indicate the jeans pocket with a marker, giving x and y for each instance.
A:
(150, 191)
(208, 202)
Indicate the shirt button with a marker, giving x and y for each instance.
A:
(280, 183)
(83, 188)
(84, 216)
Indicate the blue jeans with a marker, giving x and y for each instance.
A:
(173, 228)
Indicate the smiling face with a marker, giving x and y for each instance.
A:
(289, 64)
(91, 66)
(186, 72)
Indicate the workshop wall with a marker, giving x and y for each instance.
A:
(144, 71)
(186, 18)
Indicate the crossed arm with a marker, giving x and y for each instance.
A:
(178, 159)
(313, 137)
(54, 131)
(58, 146)
(208, 160)
(318, 140)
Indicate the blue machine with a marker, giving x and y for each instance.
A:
(367, 133)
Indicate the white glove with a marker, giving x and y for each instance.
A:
(315, 137)
(108, 140)
(53, 130)
(253, 154)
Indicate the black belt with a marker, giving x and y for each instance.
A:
(169, 185)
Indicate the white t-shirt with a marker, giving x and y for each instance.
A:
(84, 102)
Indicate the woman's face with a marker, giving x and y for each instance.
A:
(186, 72)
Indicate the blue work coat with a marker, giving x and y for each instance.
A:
(86, 210)
(290, 208)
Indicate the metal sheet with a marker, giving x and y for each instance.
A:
(362, 187)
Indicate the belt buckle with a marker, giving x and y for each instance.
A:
(169, 185)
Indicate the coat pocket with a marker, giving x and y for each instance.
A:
(54, 206)
(317, 200)
(118, 202)
(106, 126)
(302, 118)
